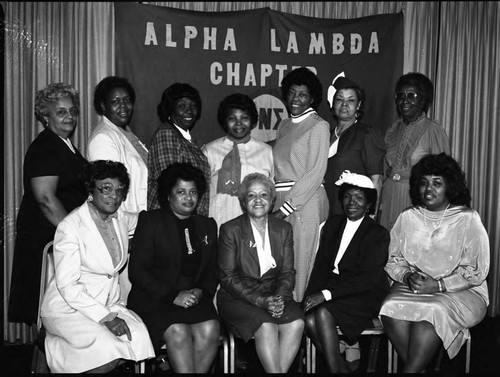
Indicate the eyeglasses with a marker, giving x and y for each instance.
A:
(411, 96)
(61, 113)
(108, 188)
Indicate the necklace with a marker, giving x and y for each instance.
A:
(337, 135)
(440, 220)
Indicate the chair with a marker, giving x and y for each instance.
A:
(376, 332)
(38, 361)
(468, 345)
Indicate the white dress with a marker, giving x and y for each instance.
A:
(84, 290)
(451, 245)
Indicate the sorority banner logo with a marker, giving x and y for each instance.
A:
(220, 53)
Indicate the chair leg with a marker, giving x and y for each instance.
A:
(467, 355)
(140, 367)
(225, 345)
(373, 356)
(231, 353)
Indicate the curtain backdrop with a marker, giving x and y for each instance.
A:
(456, 44)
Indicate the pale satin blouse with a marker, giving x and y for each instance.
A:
(451, 244)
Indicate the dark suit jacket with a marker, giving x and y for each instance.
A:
(362, 266)
(155, 259)
(239, 263)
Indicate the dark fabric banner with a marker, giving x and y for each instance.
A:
(220, 53)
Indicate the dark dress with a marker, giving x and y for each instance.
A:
(241, 283)
(47, 155)
(160, 266)
(360, 150)
(362, 284)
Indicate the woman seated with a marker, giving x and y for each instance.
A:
(348, 282)
(439, 258)
(257, 277)
(173, 270)
(87, 327)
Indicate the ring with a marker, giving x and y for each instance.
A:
(415, 291)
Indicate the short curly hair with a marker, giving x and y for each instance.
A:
(48, 96)
(248, 180)
(237, 101)
(174, 93)
(102, 169)
(179, 170)
(106, 85)
(303, 76)
(422, 83)
(447, 167)
(370, 195)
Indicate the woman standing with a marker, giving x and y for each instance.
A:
(53, 187)
(257, 277)
(173, 270)
(439, 258)
(348, 282)
(410, 138)
(112, 138)
(88, 328)
(300, 160)
(354, 145)
(234, 156)
(179, 110)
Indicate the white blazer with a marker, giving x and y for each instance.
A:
(85, 278)
(107, 142)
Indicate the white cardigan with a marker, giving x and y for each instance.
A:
(107, 142)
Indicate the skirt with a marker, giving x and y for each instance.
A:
(75, 344)
(451, 313)
(244, 318)
(158, 321)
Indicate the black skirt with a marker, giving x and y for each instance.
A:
(244, 318)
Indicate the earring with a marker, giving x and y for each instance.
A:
(90, 198)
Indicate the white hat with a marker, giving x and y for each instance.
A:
(355, 180)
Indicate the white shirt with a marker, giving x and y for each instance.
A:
(350, 228)
(266, 260)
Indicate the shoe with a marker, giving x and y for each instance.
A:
(353, 356)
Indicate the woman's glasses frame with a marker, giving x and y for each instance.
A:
(108, 188)
(410, 95)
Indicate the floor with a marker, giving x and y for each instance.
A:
(484, 358)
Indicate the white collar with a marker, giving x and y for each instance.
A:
(183, 132)
(67, 141)
(304, 115)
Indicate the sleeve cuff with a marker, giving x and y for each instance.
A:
(108, 317)
(327, 294)
(287, 208)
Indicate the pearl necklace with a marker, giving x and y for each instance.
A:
(335, 129)
(440, 220)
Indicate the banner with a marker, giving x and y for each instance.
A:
(220, 53)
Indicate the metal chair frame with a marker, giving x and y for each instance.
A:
(38, 360)
(377, 331)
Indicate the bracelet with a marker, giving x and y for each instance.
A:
(440, 284)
